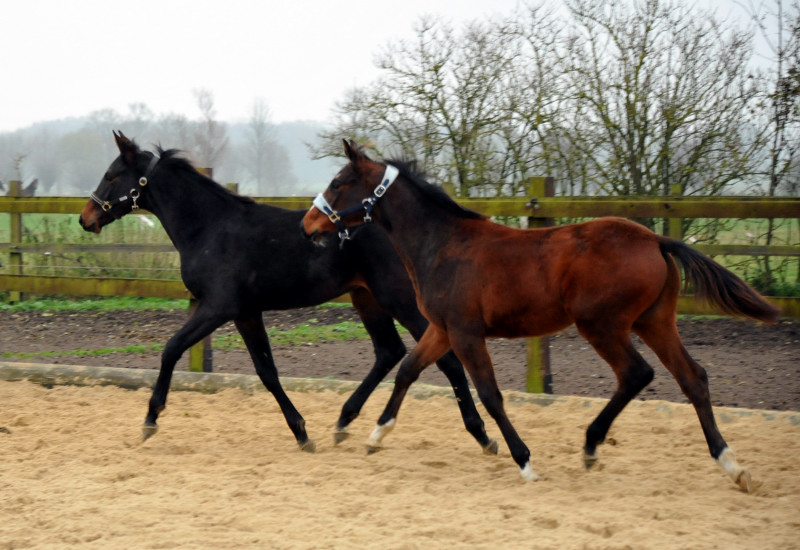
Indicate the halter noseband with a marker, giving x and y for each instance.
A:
(335, 216)
(133, 194)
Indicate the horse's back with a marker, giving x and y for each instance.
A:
(541, 280)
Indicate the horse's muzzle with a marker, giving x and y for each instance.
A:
(93, 227)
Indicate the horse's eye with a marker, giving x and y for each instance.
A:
(336, 184)
(107, 177)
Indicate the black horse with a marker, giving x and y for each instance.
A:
(239, 258)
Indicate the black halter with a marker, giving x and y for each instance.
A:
(133, 194)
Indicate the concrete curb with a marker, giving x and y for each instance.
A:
(211, 382)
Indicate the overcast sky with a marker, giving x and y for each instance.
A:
(62, 59)
(69, 58)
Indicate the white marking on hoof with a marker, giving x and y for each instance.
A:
(740, 476)
(380, 431)
(528, 474)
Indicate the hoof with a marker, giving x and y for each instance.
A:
(528, 474)
(589, 460)
(739, 475)
(308, 447)
(340, 435)
(148, 431)
(491, 447)
(373, 448)
(745, 482)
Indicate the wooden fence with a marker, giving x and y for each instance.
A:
(540, 208)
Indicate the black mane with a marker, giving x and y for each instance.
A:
(173, 159)
(409, 169)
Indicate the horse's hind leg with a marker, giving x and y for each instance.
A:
(663, 338)
(431, 346)
(632, 372)
(255, 338)
(202, 323)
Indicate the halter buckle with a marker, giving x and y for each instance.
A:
(106, 206)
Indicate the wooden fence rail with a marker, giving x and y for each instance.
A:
(539, 208)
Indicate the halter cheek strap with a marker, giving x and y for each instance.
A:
(389, 176)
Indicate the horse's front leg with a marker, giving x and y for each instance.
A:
(431, 347)
(255, 338)
(472, 352)
(200, 324)
(389, 349)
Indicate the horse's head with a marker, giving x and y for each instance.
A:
(120, 186)
(350, 197)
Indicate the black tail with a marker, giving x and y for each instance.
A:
(717, 285)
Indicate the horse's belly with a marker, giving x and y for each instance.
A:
(526, 321)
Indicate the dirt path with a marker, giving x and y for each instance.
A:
(749, 365)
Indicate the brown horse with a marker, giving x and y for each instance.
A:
(477, 279)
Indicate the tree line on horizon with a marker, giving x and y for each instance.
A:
(68, 157)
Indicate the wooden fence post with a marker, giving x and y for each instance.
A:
(539, 378)
(15, 240)
(201, 355)
(675, 225)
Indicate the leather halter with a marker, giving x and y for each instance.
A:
(133, 194)
(335, 216)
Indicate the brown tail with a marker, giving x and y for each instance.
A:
(717, 285)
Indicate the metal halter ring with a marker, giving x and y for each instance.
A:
(134, 193)
(106, 206)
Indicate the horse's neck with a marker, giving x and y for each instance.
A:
(418, 229)
(184, 206)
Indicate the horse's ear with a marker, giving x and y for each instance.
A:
(353, 152)
(349, 148)
(127, 148)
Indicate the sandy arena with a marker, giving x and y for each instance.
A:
(224, 472)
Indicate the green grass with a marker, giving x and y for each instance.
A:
(83, 352)
(61, 304)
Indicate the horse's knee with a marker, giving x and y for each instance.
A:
(642, 376)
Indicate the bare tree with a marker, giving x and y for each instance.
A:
(666, 95)
(210, 135)
(622, 98)
(266, 160)
(437, 101)
(778, 24)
